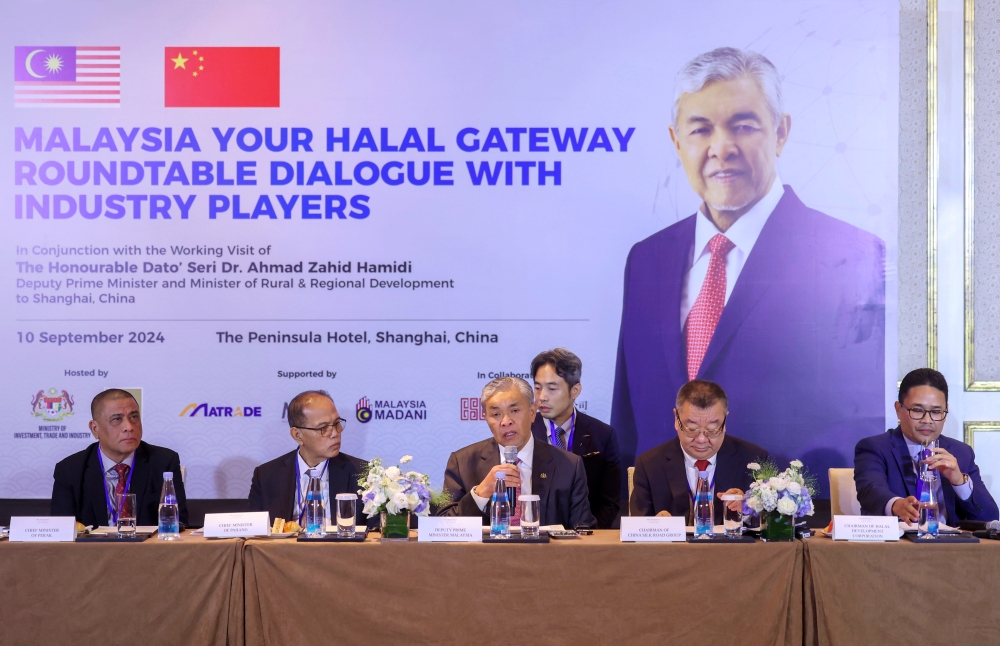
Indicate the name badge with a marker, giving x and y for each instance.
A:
(250, 523)
(42, 529)
(865, 528)
(449, 529)
(652, 529)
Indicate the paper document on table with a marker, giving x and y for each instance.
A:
(517, 530)
(942, 528)
(139, 529)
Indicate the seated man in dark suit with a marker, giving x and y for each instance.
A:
(87, 482)
(558, 422)
(557, 477)
(666, 476)
(886, 465)
(279, 486)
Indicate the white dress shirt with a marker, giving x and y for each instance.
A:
(692, 471)
(569, 424)
(304, 473)
(963, 491)
(526, 455)
(743, 234)
(111, 477)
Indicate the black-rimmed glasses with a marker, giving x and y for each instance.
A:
(327, 429)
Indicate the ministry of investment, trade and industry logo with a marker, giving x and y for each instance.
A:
(363, 411)
(471, 409)
(52, 406)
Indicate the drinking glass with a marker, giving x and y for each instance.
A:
(732, 520)
(125, 503)
(529, 516)
(347, 511)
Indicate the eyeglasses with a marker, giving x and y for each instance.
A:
(327, 429)
(917, 413)
(710, 433)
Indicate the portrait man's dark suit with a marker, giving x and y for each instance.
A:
(597, 445)
(661, 484)
(883, 470)
(558, 478)
(273, 489)
(79, 488)
(799, 348)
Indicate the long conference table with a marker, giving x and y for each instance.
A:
(590, 590)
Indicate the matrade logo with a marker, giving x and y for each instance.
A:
(58, 77)
(471, 409)
(53, 406)
(207, 410)
(222, 77)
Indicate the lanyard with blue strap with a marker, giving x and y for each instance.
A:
(112, 510)
(569, 435)
(298, 488)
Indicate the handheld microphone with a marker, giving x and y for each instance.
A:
(510, 454)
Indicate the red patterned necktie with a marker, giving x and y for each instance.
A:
(701, 465)
(515, 516)
(122, 471)
(707, 309)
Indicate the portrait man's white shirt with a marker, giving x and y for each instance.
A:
(743, 234)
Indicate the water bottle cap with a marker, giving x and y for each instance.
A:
(501, 475)
(168, 475)
(703, 474)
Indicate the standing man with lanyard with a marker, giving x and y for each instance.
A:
(279, 486)
(557, 385)
(666, 475)
(87, 483)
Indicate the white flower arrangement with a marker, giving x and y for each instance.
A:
(391, 490)
(788, 492)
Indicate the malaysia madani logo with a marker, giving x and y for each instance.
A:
(207, 410)
(53, 406)
(363, 410)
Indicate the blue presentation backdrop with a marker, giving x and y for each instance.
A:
(441, 191)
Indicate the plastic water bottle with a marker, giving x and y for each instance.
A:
(170, 525)
(315, 508)
(500, 509)
(928, 507)
(703, 508)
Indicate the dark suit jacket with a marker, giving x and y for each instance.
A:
(883, 470)
(803, 331)
(273, 486)
(660, 480)
(79, 485)
(558, 478)
(597, 445)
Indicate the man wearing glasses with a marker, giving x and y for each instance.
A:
(886, 465)
(279, 486)
(666, 476)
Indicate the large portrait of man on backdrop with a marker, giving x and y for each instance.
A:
(780, 304)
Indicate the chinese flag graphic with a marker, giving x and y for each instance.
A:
(222, 77)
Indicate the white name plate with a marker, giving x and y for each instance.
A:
(449, 529)
(250, 523)
(652, 529)
(865, 528)
(42, 529)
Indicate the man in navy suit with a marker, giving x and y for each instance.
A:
(279, 486)
(557, 385)
(666, 476)
(886, 465)
(781, 303)
(87, 484)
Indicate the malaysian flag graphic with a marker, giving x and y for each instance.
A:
(58, 77)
